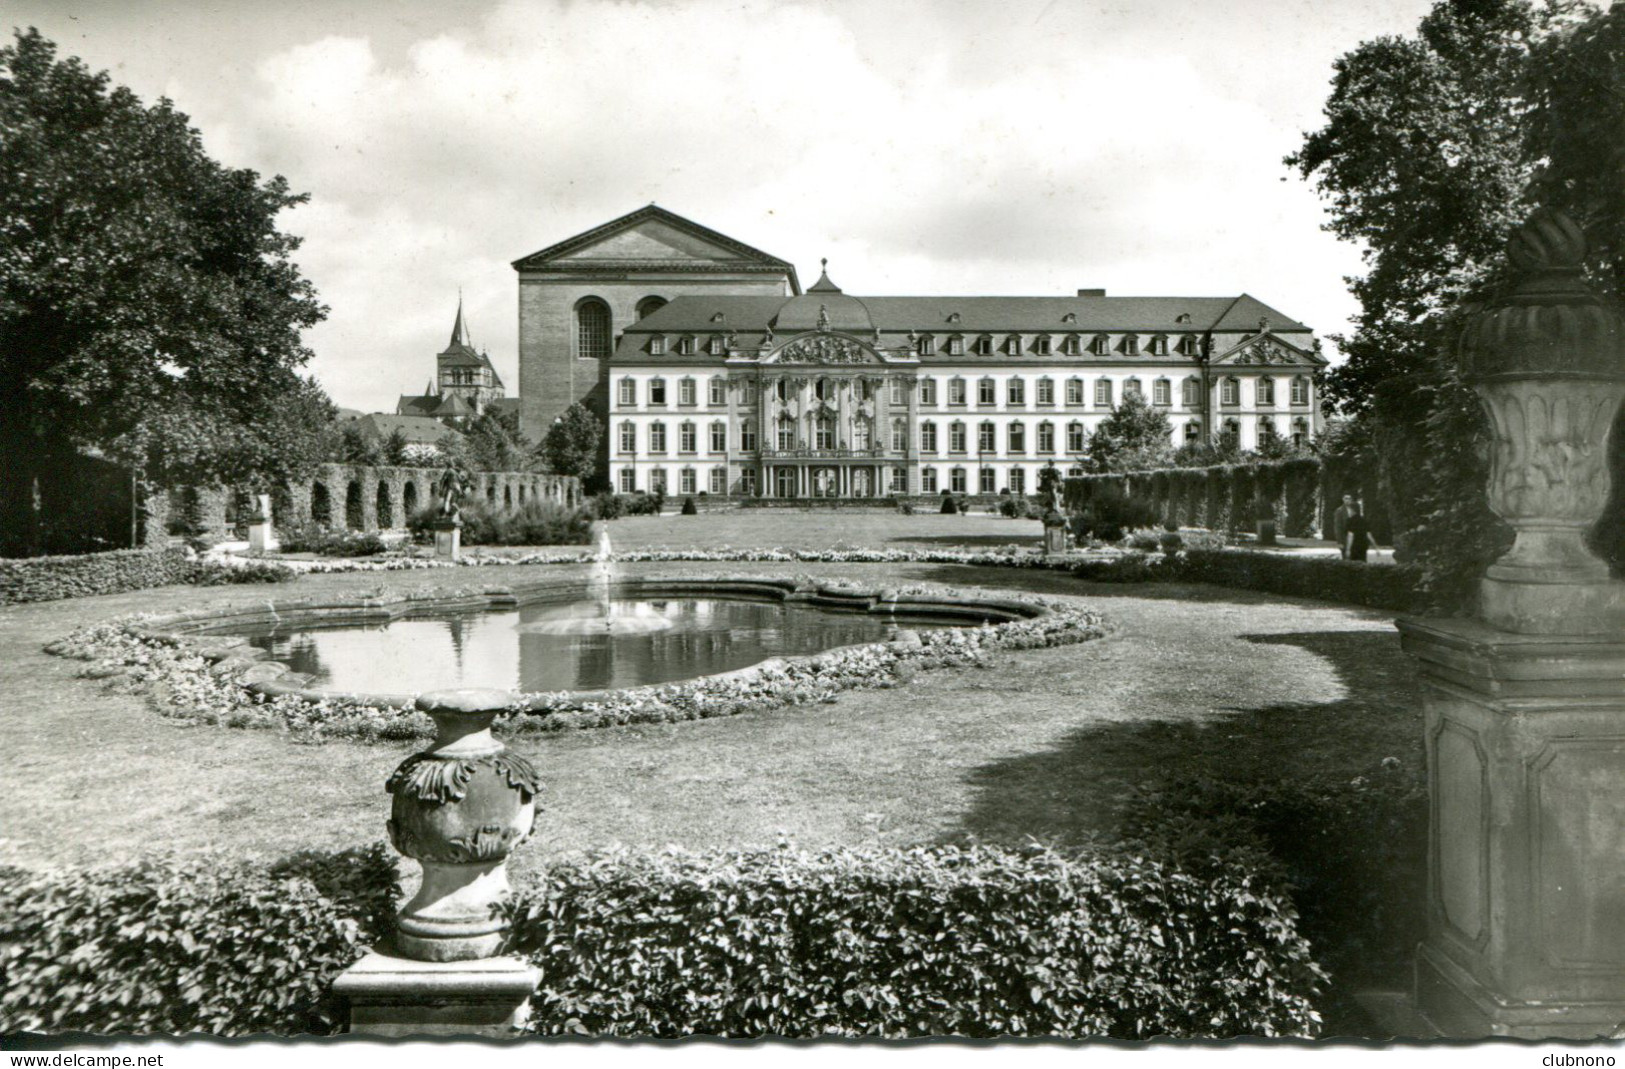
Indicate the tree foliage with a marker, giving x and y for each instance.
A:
(1435, 146)
(1135, 437)
(151, 309)
(495, 443)
(573, 444)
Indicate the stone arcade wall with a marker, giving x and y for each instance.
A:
(365, 498)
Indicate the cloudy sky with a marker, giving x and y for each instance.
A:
(958, 146)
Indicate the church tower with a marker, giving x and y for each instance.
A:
(467, 381)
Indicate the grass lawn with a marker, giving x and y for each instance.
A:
(1038, 746)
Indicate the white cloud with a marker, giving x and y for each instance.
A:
(996, 155)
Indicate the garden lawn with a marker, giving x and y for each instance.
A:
(1039, 745)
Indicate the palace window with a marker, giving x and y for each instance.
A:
(685, 481)
(1300, 433)
(1159, 345)
(1076, 440)
(984, 345)
(629, 481)
(899, 436)
(1264, 391)
(592, 329)
(1266, 430)
(1300, 390)
(928, 480)
(866, 390)
(824, 390)
(1046, 391)
(1018, 480)
(1016, 392)
(1101, 345)
(824, 432)
(989, 481)
(627, 393)
(1072, 346)
(719, 345)
(719, 480)
(928, 437)
(1131, 345)
(719, 437)
(657, 345)
(685, 345)
(786, 433)
(956, 480)
(986, 393)
(986, 440)
(860, 435)
(899, 480)
(657, 391)
(1191, 392)
(1074, 391)
(956, 437)
(1043, 345)
(1018, 437)
(928, 392)
(1231, 434)
(1193, 431)
(747, 482)
(649, 305)
(925, 346)
(1103, 393)
(717, 391)
(1131, 388)
(1230, 392)
(956, 345)
(781, 390)
(657, 481)
(1162, 392)
(657, 437)
(956, 392)
(1046, 437)
(629, 437)
(747, 438)
(685, 392)
(1013, 344)
(899, 392)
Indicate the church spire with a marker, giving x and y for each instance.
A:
(459, 333)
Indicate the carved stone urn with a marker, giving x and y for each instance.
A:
(459, 808)
(1548, 364)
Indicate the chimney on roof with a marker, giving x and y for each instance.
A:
(1091, 293)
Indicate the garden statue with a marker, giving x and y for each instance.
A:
(453, 486)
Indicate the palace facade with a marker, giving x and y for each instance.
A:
(716, 374)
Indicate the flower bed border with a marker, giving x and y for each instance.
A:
(206, 679)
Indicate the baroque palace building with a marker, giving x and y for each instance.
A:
(716, 374)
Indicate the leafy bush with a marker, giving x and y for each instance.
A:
(1170, 542)
(535, 523)
(614, 506)
(1144, 539)
(313, 537)
(950, 507)
(930, 941)
(689, 508)
(1200, 539)
(1109, 511)
(215, 573)
(189, 946)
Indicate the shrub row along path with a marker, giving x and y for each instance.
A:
(1193, 681)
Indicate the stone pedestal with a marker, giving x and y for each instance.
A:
(1055, 539)
(1526, 889)
(448, 539)
(261, 536)
(1266, 532)
(392, 996)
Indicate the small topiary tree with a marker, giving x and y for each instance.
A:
(689, 508)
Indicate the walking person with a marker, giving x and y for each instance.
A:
(1340, 525)
(1357, 534)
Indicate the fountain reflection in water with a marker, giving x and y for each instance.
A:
(599, 615)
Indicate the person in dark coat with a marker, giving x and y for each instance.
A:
(1357, 534)
(1340, 525)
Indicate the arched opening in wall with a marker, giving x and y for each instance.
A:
(183, 511)
(507, 496)
(321, 505)
(282, 504)
(239, 507)
(409, 499)
(592, 329)
(352, 506)
(491, 493)
(386, 507)
(650, 305)
(521, 493)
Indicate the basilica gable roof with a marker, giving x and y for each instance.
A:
(654, 238)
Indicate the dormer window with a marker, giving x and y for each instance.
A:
(956, 345)
(984, 345)
(719, 345)
(1070, 317)
(718, 317)
(1159, 345)
(685, 345)
(1101, 345)
(925, 346)
(1183, 317)
(1131, 345)
(1071, 345)
(953, 317)
(1043, 345)
(1187, 344)
(1014, 344)
(657, 345)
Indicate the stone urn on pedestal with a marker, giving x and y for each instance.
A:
(458, 809)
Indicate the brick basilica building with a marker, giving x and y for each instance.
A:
(714, 372)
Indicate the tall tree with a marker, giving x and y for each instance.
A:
(147, 299)
(1136, 436)
(573, 443)
(495, 443)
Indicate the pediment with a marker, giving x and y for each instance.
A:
(1267, 350)
(655, 238)
(821, 347)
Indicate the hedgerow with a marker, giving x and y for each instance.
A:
(118, 571)
(172, 946)
(931, 941)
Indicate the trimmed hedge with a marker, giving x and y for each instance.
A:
(183, 946)
(933, 941)
(115, 572)
(1381, 586)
